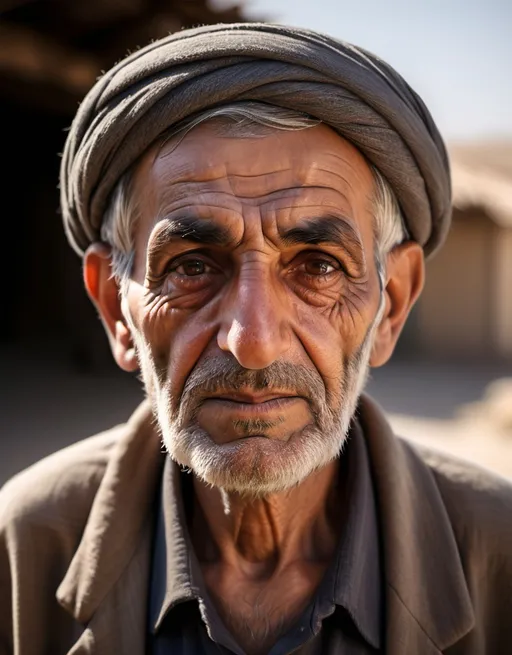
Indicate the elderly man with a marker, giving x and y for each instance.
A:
(253, 204)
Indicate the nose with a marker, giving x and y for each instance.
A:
(253, 326)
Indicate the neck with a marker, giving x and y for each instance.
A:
(259, 536)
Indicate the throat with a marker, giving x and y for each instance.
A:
(263, 559)
(258, 614)
(263, 534)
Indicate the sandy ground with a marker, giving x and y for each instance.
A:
(463, 410)
(46, 404)
(477, 440)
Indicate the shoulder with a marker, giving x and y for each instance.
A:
(478, 502)
(59, 489)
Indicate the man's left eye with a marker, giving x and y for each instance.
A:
(192, 267)
(319, 267)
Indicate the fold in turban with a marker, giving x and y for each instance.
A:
(351, 90)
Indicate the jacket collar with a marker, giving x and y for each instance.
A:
(427, 599)
(121, 515)
(428, 607)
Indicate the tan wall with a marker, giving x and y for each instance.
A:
(454, 312)
(503, 297)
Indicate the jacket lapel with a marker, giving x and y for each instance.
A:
(119, 623)
(106, 585)
(428, 607)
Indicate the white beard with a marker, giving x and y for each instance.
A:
(278, 465)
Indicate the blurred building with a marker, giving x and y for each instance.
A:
(51, 52)
(466, 308)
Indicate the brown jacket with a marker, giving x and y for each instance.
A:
(75, 532)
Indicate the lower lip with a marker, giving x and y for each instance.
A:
(253, 409)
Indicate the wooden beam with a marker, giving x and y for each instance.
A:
(27, 55)
(104, 12)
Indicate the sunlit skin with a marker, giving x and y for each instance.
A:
(261, 288)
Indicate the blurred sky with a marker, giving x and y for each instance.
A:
(457, 54)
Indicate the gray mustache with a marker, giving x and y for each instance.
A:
(218, 375)
(225, 374)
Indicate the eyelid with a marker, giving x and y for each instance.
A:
(321, 254)
(179, 259)
(351, 266)
(188, 255)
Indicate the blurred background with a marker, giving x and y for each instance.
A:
(450, 382)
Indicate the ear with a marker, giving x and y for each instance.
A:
(103, 290)
(405, 278)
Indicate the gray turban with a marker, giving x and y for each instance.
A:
(349, 89)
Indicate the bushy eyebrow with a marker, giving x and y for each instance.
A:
(189, 228)
(327, 229)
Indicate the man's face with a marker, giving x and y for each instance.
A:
(253, 300)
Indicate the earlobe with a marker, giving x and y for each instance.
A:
(405, 279)
(103, 291)
(124, 349)
(383, 336)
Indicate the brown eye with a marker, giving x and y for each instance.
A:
(191, 268)
(319, 267)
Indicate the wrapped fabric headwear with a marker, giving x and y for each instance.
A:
(351, 90)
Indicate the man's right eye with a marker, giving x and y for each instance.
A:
(191, 267)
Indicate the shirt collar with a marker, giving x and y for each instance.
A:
(357, 579)
(355, 573)
(171, 578)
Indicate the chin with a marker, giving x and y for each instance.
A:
(253, 466)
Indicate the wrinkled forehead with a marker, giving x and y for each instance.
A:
(209, 156)
(272, 183)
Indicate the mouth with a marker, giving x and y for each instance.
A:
(242, 398)
(251, 407)
(231, 415)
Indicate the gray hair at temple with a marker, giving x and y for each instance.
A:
(242, 120)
